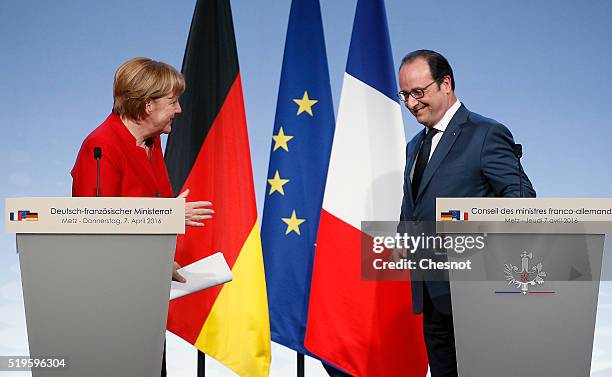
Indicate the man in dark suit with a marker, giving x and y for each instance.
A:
(458, 154)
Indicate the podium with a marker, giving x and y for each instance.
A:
(96, 276)
(528, 304)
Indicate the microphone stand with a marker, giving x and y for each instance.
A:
(518, 152)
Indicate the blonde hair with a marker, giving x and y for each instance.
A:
(140, 80)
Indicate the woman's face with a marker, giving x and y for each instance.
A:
(161, 111)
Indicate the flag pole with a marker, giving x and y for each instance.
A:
(201, 364)
(300, 364)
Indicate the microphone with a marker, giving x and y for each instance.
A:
(98, 156)
(518, 152)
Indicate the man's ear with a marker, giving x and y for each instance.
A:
(447, 83)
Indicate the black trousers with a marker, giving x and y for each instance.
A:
(439, 339)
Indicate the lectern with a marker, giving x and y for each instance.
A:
(528, 304)
(96, 278)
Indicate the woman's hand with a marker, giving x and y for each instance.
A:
(195, 212)
(175, 274)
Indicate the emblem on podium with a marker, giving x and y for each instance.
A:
(524, 276)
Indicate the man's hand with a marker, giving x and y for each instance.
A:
(175, 274)
(195, 212)
(397, 255)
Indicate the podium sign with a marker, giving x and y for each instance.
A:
(529, 302)
(96, 278)
(95, 215)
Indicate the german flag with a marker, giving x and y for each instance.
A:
(208, 153)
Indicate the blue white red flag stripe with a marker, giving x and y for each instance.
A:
(351, 321)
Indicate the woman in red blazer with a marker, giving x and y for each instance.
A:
(128, 145)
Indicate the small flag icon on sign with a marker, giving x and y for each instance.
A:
(24, 215)
(453, 215)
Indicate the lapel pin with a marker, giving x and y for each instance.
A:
(454, 134)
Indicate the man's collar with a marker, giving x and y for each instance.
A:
(448, 115)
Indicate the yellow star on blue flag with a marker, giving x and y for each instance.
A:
(305, 104)
(277, 183)
(293, 223)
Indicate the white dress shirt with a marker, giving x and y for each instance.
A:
(441, 127)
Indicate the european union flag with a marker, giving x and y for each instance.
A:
(456, 214)
(299, 158)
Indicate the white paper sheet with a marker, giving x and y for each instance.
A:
(205, 273)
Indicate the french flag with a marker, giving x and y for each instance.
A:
(365, 328)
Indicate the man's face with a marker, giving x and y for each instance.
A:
(429, 109)
(162, 112)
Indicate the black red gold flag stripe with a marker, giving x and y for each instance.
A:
(208, 153)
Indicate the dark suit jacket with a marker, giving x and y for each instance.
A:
(474, 158)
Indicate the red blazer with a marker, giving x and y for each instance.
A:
(125, 169)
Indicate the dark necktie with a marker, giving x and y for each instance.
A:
(421, 161)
